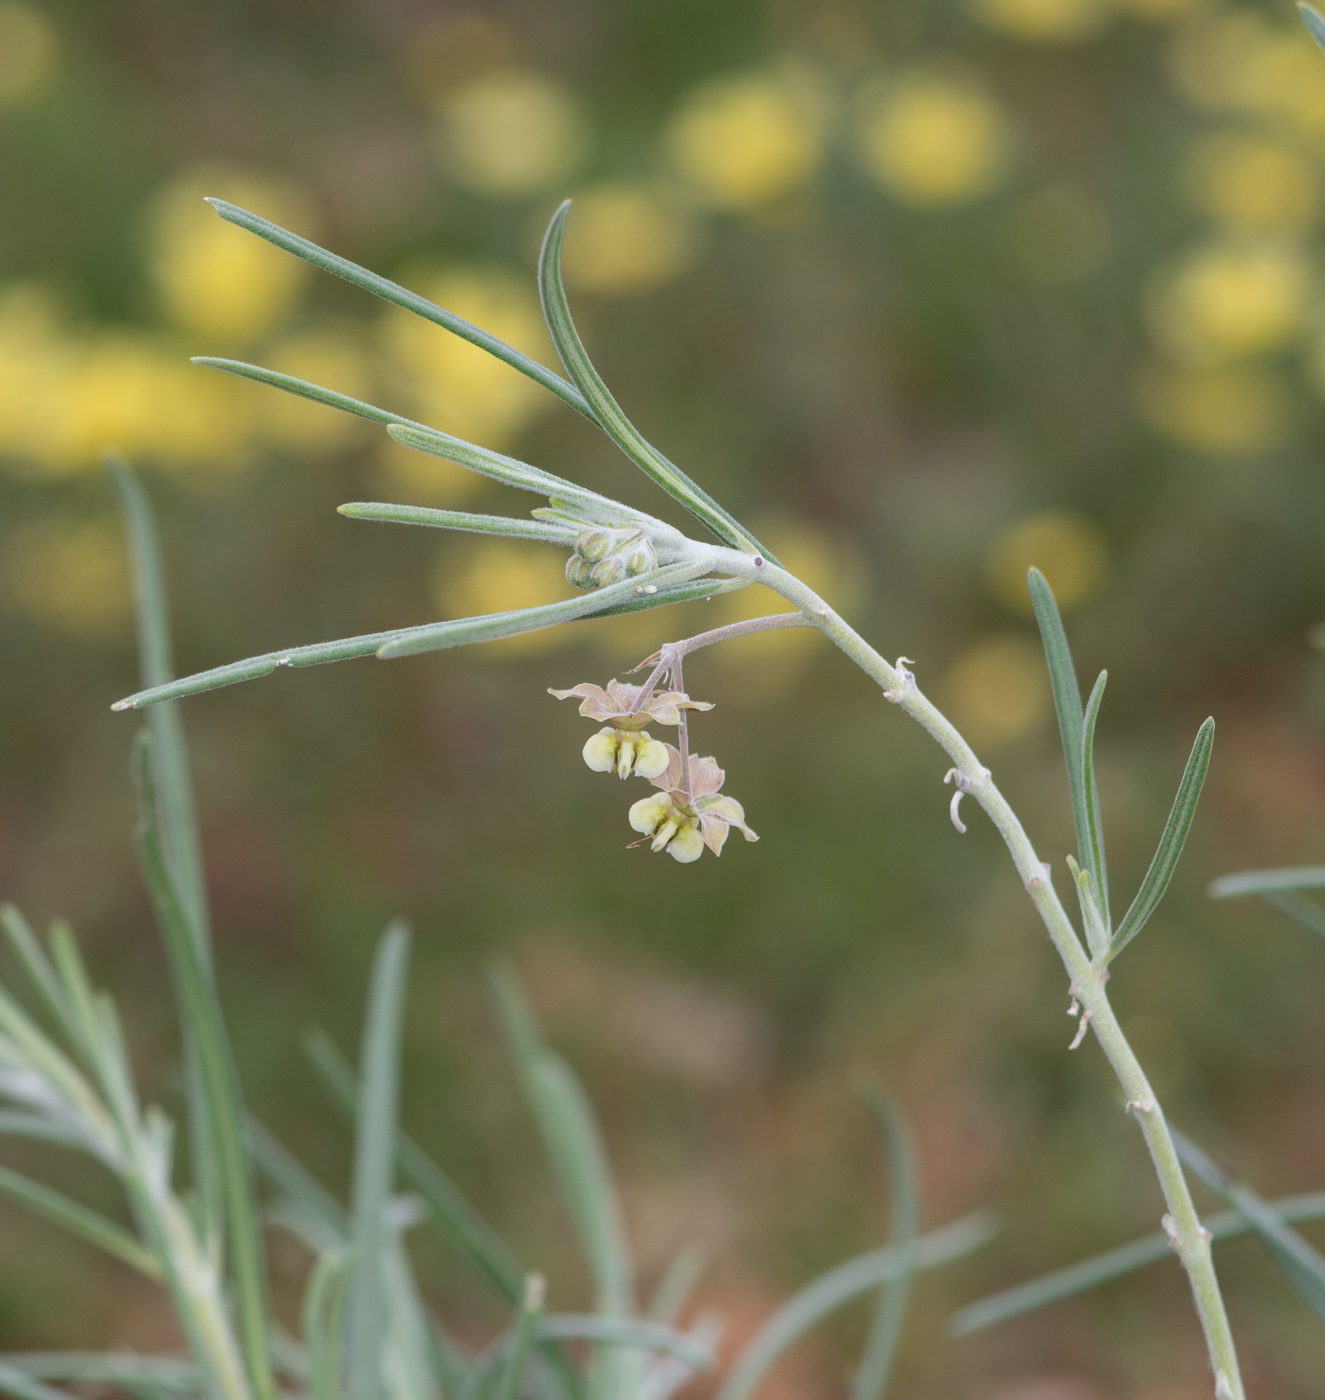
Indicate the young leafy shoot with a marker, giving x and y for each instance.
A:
(1096, 866)
(1171, 843)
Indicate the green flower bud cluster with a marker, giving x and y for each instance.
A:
(604, 555)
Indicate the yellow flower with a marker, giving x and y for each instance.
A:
(997, 690)
(1224, 412)
(512, 133)
(330, 355)
(1252, 183)
(1067, 549)
(217, 280)
(746, 140)
(72, 576)
(623, 239)
(1231, 300)
(496, 576)
(933, 139)
(29, 54)
(1043, 21)
(455, 385)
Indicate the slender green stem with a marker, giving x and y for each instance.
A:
(1190, 1240)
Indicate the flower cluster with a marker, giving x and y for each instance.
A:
(688, 812)
(604, 555)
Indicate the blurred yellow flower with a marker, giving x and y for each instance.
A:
(74, 576)
(454, 385)
(1216, 411)
(933, 139)
(1159, 11)
(1231, 299)
(34, 365)
(1043, 21)
(330, 355)
(997, 690)
(1251, 183)
(625, 238)
(29, 54)
(422, 479)
(746, 140)
(1066, 548)
(488, 576)
(512, 133)
(216, 280)
(1057, 235)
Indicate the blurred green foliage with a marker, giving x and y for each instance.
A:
(926, 292)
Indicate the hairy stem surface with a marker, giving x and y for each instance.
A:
(1190, 1240)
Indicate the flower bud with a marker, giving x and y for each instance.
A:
(600, 751)
(609, 570)
(640, 561)
(594, 544)
(578, 573)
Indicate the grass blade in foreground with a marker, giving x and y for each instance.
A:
(1170, 843)
(200, 1012)
(607, 412)
(399, 296)
(1300, 1261)
(903, 1230)
(1067, 699)
(374, 1162)
(839, 1286)
(1112, 1264)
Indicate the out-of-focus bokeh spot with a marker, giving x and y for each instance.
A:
(1067, 549)
(746, 140)
(29, 54)
(218, 281)
(933, 139)
(625, 238)
(454, 385)
(997, 690)
(1231, 300)
(1248, 182)
(1159, 11)
(1220, 411)
(473, 577)
(329, 355)
(73, 575)
(454, 47)
(1044, 21)
(1058, 235)
(512, 133)
(420, 478)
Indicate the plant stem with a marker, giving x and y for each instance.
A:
(1190, 1240)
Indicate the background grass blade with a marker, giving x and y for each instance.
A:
(374, 1162)
(1302, 1263)
(523, 1331)
(325, 1296)
(1314, 23)
(607, 412)
(543, 530)
(903, 1230)
(22, 1386)
(1113, 1264)
(79, 1220)
(1299, 877)
(284, 1170)
(160, 1374)
(838, 1286)
(1094, 851)
(40, 972)
(677, 1284)
(204, 1028)
(1180, 820)
(1067, 698)
(399, 296)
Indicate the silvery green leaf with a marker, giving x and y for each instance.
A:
(1311, 17)
(1094, 853)
(545, 530)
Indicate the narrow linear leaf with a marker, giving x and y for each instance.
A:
(14, 1123)
(1306, 911)
(885, 1332)
(126, 1369)
(839, 1286)
(324, 1321)
(284, 1170)
(374, 1162)
(1067, 698)
(22, 1387)
(200, 1011)
(1301, 877)
(1112, 1264)
(399, 296)
(1303, 1264)
(411, 1350)
(625, 1332)
(40, 972)
(1170, 843)
(677, 1284)
(607, 412)
(1097, 936)
(1094, 852)
(177, 813)
(79, 1220)
(673, 587)
(523, 1331)
(461, 520)
(1314, 23)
